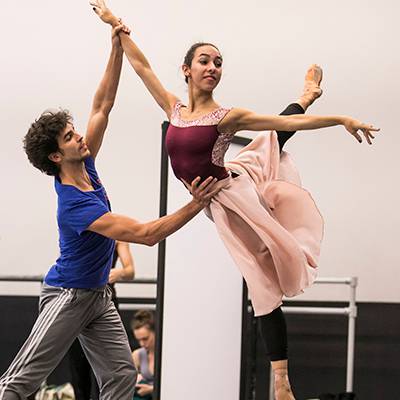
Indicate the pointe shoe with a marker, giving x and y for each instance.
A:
(312, 90)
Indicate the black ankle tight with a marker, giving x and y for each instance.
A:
(273, 331)
(291, 109)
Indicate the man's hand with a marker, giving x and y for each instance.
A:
(105, 14)
(116, 31)
(204, 192)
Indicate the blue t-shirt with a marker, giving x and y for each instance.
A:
(85, 257)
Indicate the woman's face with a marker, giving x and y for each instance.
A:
(145, 337)
(206, 68)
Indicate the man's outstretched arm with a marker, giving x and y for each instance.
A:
(105, 95)
(120, 227)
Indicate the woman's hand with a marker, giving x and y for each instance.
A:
(105, 14)
(116, 274)
(353, 126)
(143, 389)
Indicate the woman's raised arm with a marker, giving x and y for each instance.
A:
(137, 59)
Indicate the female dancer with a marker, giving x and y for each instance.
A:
(269, 224)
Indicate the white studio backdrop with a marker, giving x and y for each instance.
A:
(54, 54)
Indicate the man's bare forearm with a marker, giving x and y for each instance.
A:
(125, 229)
(161, 228)
(107, 90)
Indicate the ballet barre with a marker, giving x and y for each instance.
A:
(350, 311)
(39, 278)
(136, 303)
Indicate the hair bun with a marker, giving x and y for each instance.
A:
(143, 318)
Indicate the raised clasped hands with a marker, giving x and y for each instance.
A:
(117, 30)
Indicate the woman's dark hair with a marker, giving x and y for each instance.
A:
(190, 54)
(41, 139)
(143, 318)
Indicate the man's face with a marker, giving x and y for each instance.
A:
(72, 146)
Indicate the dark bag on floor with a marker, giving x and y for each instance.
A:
(340, 396)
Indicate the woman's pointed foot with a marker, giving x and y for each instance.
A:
(312, 90)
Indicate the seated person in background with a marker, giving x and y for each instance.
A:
(144, 332)
(126, 273)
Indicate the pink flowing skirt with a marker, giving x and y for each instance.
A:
(269, 223)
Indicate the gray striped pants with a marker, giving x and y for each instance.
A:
(65, 314)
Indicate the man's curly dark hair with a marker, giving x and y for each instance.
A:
(41, 139)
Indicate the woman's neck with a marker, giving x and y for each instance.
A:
(200, 100)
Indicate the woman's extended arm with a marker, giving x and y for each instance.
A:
(239, 119)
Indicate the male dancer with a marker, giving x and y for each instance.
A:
(75, 300)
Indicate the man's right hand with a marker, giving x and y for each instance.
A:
(117, 30)
(203, 193)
